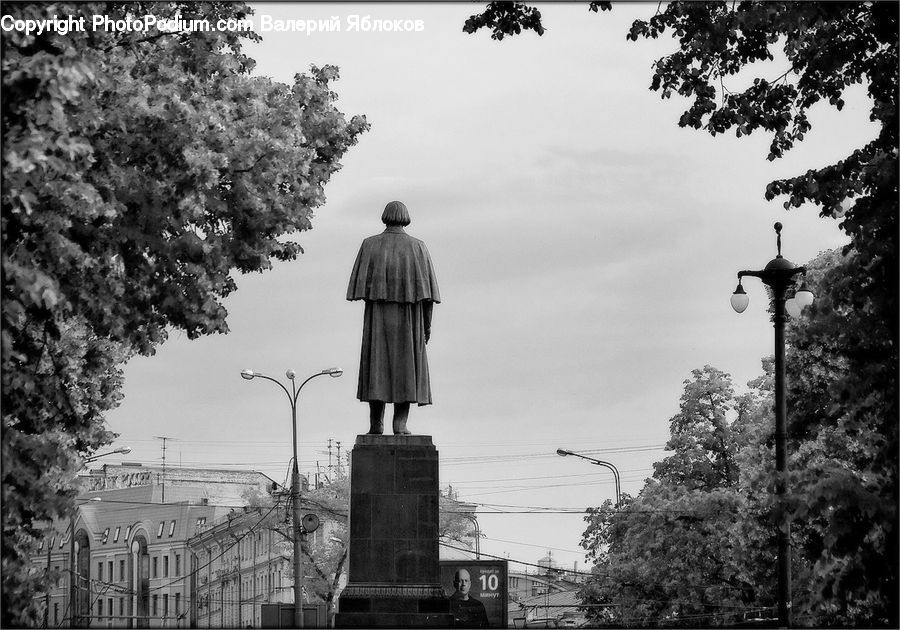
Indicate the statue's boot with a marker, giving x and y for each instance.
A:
(401, 415)
(400, 427)
(376, 417)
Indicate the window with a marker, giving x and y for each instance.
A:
(127, 533)
(116, 535)
(201, 521)
(121, 606)
(105, 536)
(177, 604)
(155, 567)
(165, 604)
(166, 566)
(58, 576)
(177, 564)
(99, 607)
(162, 525)
(100, 570)
(171, 529)
(109, 610)
(52, 542)
(155, 609)
(121, 570)
(56, 613)
(61, 541)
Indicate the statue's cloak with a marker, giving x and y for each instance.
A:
(393, 267)
(394, 275)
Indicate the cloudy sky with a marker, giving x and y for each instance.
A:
(585, 245)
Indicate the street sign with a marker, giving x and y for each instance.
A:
(478, 592)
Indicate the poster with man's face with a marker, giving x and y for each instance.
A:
(478, 592)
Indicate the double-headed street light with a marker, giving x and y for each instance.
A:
(599, 462)
(292, 395)
(779, 277)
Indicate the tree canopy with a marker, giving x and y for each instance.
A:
(696, 546)
(141, 171)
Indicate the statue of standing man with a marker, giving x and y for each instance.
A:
(394, 275)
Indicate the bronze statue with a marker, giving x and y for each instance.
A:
(394, 275)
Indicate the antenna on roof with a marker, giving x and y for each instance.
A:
(163, 438)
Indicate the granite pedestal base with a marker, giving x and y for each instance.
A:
(394, 570)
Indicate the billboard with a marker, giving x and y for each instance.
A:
(478, 592)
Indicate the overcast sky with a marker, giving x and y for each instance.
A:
(586, 248)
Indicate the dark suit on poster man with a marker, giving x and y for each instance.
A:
(467, 611)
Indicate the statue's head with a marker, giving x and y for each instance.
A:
(395, 213)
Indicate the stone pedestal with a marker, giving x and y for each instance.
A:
(394, 570)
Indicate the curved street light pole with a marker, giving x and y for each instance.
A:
(779, 276)
(124, 450)
(599, 462)
(297, 528)
(474, 520)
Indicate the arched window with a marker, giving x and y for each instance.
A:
(81, 591)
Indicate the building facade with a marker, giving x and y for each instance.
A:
(123, 561)
(245, 560)
(179, 548)
(240, 562)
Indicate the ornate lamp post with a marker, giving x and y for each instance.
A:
(295, 477)
(562, 453)
(779, 277)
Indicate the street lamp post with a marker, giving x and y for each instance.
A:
(124, 450)
(778, 275)
(474, 520)
(295, 477)
(562, 453)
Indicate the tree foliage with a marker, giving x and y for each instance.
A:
(701, 434)
(844, 440)
(669, 555)
(697, 545)
(141, 170)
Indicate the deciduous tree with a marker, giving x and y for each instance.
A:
(141, 171)
(667, 555)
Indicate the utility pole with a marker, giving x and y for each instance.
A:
(163, 438)
(338, 460)
(330, 465)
